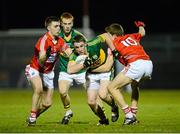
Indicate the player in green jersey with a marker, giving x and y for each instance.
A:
(65, 80)
(99, 65)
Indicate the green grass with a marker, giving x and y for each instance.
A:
(159, 111)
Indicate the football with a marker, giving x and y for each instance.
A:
(80, 58)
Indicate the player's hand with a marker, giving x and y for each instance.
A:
(139, 23)
(115, 53)
(48, 51)
(87, 63)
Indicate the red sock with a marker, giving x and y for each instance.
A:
(126, 109)
(134, 110)
(33, 114)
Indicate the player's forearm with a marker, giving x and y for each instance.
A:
(74, 68)
(142, 31)
(68, 51)
(108, 41)
(42, 57)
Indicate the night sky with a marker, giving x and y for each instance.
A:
(160, 16)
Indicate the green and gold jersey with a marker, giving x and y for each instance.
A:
(98, 52)
(63, 60)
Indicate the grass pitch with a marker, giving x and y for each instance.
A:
(159, 112)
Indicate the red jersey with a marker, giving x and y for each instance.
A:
(129, 48)
(56, 47)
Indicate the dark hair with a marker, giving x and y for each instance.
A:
(49, 19)
(78, 38)
(115, 28)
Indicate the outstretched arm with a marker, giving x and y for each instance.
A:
(108, 40)
(141, 26)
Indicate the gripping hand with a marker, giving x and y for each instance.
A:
(48, 51)
(115, 53)
(139, 23)
(87, 63)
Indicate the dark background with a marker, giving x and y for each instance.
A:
(162, 40)
(160, 16)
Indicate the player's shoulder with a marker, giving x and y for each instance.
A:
(45, 36)
(61, 40)
(43, 39)
(95, 41)
(137, 36)
(79, 33)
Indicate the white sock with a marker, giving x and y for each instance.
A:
(68, 112)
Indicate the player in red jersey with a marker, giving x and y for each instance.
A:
(40, 71)
(138, 66)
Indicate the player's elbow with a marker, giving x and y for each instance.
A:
(70, 71)
(107, 69)
(42, 60)
(142, 31)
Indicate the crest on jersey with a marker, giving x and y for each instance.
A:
(94, 57)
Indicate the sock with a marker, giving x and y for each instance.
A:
(68, 112)
(67, 107)
(101, 113)
(127, 111)
(33, 114)
(113, 102)
(134, 110)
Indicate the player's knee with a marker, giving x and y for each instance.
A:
(102, 95)
(63, 93)
(110, 88)
(38, 90)
(91, 102)
(46, 106)
(48, 103)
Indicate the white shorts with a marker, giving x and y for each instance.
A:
(138, 70)
(93, 80)
(47, 79)
(78, 78)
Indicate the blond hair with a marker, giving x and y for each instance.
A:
(66, 15)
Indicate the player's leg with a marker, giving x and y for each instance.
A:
(37, 88)
(100, 102)
(46, 101)
(106, 97)
(35, 81)
(144, 74)
(94, 102)
(134, 97)
(115, 88)
(48, 89)
(96, 106)
(64, 86)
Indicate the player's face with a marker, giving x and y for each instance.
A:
(54, 28)
(67, 25)
(80, 48)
